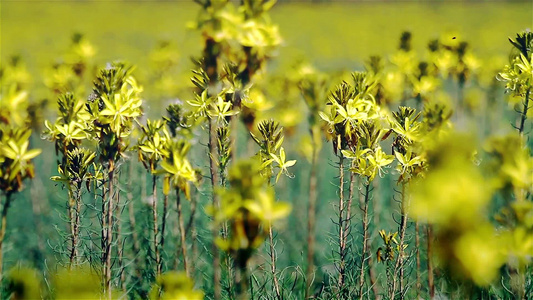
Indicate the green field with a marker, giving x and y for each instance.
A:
(331, 35)
(335, 38)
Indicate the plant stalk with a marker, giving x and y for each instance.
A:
(72, 219)
(135, 237)
(273, 263)
(418, 267)
(222, 172)
(3, 234)
(182, 234)
(523, 116)
(163, 229)
(120, 245)
(156, 225)
(399, 268)
(108, 235)
(241, 280)
(212, 168)
(342, 246)
(311, 214)
(364, 204)
(431, 286)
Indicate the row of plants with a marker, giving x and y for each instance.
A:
(420, 209)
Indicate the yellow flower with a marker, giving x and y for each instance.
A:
(174, 286)
(479, 253)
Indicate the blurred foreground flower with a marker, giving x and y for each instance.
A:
(174, 286)
(249, 207)
(453, 199)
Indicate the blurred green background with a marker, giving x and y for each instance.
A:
(332, 36)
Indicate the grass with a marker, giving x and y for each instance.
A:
(333, 36)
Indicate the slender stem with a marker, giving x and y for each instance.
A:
(523, 116)
(348, 218)
(104, 237)
(194, 234)
(216, 254)
(391, 281)
(400, 260)
(403, 230)
(418, 267)
(78, 220)
(241, 280)
(364, 204)
(182, 234)
(163, 228)
(311, 214)
(155, 224)
(342, 246)
(72, 220)
(3, 234)
(176, 232)
(135, 244)
(273, 262)
(233, 133)
(431, 286)
(523, 192)
(109, 233)
(222, 174)
(372, 275)
(120, 245)
(230, 275)
(273, 259)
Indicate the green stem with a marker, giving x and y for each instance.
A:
(342, 246)
(273, 263)
(135, 238)
(418, 265)
(399, 267)
(215, 232)
(524, 113)
(109, 242)
(71, 217)
(120, 246)
(156, 226)
(311, 214)
(3, 234)
(431, 285)
(241, 280)
(182, 234)
(163, 228)
(227, 258)
(364, 204)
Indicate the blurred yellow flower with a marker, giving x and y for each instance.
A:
(480, 254)
(174, 286)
